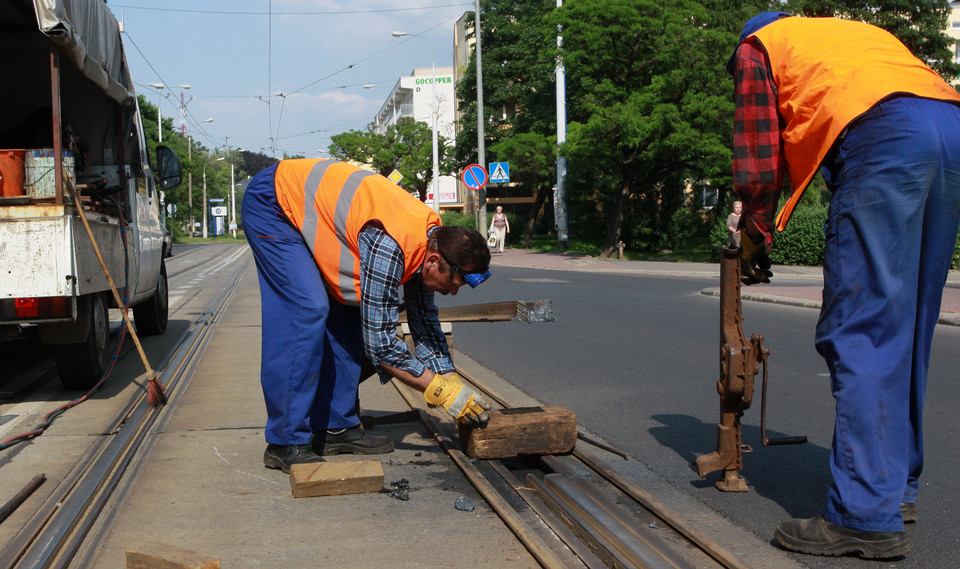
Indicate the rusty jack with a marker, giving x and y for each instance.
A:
(740, 362)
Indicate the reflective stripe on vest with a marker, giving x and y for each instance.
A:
(828, 73)
(330, 202)
(345, 278)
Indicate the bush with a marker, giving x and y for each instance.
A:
(803, 241)
(453, 218)
(800, 244)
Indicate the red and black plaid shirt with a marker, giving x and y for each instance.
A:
(758, 162)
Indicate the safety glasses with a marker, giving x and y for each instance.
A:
(472, 279)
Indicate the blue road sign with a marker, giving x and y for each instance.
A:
(474, 176)
(499, 172)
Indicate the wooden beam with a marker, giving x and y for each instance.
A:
(156, 555)
(521, 430)
(336, 478)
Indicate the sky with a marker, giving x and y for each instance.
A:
(280, 76)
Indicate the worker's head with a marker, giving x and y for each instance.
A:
(455, 256)
(752, 26)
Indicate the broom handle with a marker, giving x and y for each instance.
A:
(106, 271)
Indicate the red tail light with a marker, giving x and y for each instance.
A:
(48, 307)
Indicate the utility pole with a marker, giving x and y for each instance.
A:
(481, 148)
(190, 186)
(560, 195)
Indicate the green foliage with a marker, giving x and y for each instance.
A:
(649, 104)
(407, 146)
(193, 157)
(801, 243)
(453, 218)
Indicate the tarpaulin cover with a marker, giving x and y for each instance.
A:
(89, 35)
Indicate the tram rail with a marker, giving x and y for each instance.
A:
(55, 533)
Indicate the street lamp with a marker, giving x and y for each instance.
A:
(190, 180)
(160, 87)
(205, 194)
(436, 106)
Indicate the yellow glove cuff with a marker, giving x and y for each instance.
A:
(443, 390)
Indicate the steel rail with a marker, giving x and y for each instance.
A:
(537, 547)
(55, 532)
(695, 536)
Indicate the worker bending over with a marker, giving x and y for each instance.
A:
(849, 99)
(334, 245)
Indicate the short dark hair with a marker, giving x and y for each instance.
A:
(461, 245)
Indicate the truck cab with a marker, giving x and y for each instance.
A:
(70, 125)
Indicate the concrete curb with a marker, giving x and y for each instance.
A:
(946, 318)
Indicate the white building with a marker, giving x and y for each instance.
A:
(412, 96)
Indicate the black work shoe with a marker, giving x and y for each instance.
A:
(350, 441)
(282, 456)
(818, 536)
(908, 510)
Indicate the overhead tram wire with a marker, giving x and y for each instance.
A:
(163, 81)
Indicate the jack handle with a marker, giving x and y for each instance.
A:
(762, 352)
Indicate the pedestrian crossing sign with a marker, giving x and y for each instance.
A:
(499, 172)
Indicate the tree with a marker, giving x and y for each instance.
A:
(532, 164)
(919, 24)
(649, 103)
(407, 146)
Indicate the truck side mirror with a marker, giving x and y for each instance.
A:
(169, 169)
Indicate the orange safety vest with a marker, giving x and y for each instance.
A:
(828, 73)
(331, 201)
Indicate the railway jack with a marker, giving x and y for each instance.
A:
(740, 361)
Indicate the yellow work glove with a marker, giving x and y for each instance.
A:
(461, 402)
(754, 260)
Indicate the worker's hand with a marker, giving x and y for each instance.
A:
(461, 402)
(754, 261)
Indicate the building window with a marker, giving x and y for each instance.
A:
(955, 25)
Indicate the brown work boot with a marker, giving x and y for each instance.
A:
(818, 536)
(350, 441)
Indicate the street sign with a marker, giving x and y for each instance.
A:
(474, 176)
(395, 177)
(499, 172)
(218, 211)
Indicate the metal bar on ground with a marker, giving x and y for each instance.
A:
(534, 544)
(587, 557)
(21, 496)
(645, 499)
(606, 523)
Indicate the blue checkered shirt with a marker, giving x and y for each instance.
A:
(381, 269)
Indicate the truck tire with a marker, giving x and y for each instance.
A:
(81, 365)
(151, 316)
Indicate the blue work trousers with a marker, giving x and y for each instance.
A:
(311, 344)
(890, 234)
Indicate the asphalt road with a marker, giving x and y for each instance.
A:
(637, 358)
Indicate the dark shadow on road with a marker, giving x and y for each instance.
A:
(794, 476)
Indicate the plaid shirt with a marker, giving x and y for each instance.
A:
(381, 268)
(758, 162)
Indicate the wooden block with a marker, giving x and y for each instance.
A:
(336, 478)
(156, 555)
(522, 430)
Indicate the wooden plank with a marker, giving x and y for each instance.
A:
(336, 478)
(522, 430)
(156, 555)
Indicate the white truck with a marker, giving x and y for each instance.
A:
(69, 118)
